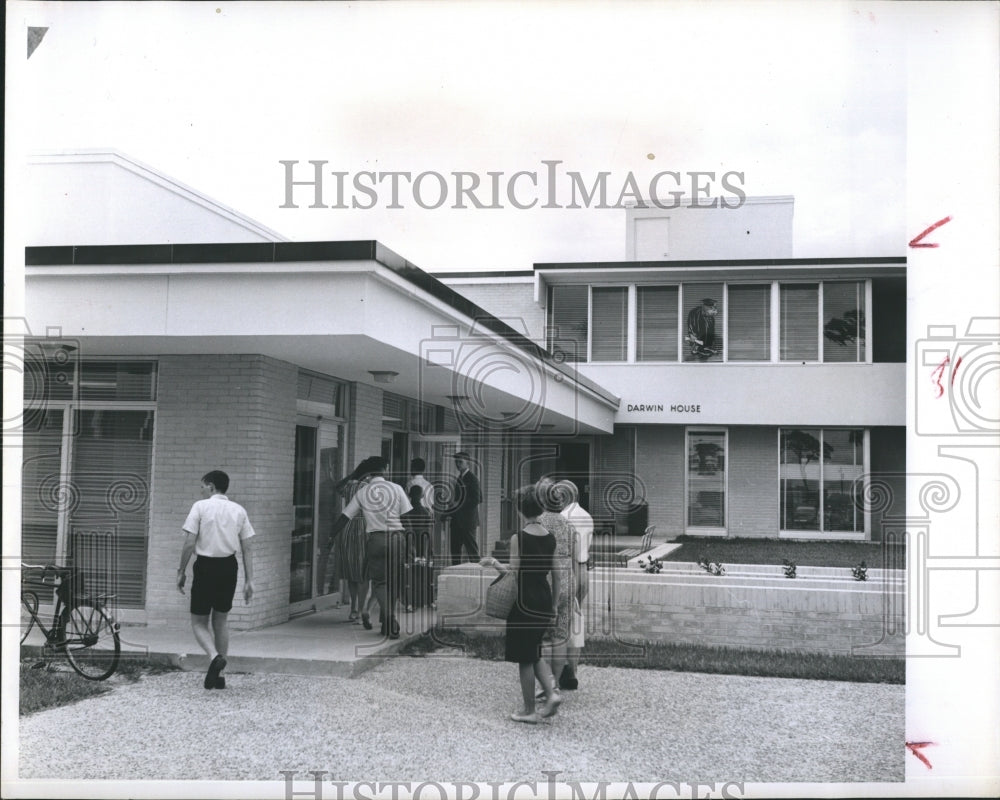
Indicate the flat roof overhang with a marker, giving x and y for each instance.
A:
(339, 308)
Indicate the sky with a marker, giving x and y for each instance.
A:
(802, 99)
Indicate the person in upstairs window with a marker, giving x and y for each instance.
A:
(701, 330)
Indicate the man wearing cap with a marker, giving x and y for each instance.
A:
(382, 503)
(464, 515)
(701, 329)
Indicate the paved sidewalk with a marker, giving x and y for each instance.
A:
(321, 643)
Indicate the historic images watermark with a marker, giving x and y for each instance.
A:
(546, 187)
(550, 787)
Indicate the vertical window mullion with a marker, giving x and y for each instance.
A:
(65, 479)
(869, 333)
(775, 323)
(725, 322)
(631, 321)
(590, 323)
(820, 344)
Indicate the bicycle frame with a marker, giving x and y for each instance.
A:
(79, 623)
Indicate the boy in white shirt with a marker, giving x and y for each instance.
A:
(215, 529)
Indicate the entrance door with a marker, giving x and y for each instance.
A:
(319, 464)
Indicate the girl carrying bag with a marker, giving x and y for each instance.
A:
(501, 594)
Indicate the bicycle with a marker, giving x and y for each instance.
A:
(81, 627)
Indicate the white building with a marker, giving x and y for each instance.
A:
(173, 336)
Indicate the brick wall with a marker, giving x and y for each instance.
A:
(659, 464)
(235, 413)
(511, 302)
(821, 612)
(753, 481)
(365, 430)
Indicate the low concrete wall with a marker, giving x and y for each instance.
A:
(822, 610)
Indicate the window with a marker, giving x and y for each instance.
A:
(86, 473)
(819, 473)
(567, 324)
(609, 313)
(706, 479)
(656, 328)
(822, 322)
(749, 322)
(844, 322)
(704, 327)
(800, 322)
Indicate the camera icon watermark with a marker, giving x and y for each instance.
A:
(958, 380)
(496, 378)
(48, 367)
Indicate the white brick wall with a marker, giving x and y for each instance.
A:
(235, 413)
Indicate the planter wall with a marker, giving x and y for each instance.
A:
(822, 610)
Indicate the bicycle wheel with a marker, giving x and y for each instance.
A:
(92, 644)
(29, 607)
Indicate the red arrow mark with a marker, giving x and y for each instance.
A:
(915, 241)
(916, 747)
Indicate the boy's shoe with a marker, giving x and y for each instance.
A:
(567, 680)
(214, 669)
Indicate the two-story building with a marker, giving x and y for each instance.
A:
(761, 395)
(708, 384)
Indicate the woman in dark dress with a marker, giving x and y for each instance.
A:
(531, 559)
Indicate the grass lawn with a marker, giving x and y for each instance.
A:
(56, 684)
(775, 551)
(686, 658)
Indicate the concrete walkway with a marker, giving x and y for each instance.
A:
(320, 643)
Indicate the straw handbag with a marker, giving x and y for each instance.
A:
(501, 594)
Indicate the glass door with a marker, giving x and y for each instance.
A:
(706, 480)
(303, 514)
(329, 504)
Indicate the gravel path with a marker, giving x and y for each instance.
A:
(446, 719)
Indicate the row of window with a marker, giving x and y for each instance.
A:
(819, 486)
(713, 322)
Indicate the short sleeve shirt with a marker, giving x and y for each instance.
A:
(427, 498)
(583, 525)
(219, 524)
(382, 503)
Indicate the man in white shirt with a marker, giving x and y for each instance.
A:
(583, 526)
(382, 503)
(215, 529)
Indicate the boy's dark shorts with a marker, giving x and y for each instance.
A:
(213, 585)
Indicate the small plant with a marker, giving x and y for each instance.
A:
(711, 567)
(789, 568)
(860, 572)
(652, 566)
